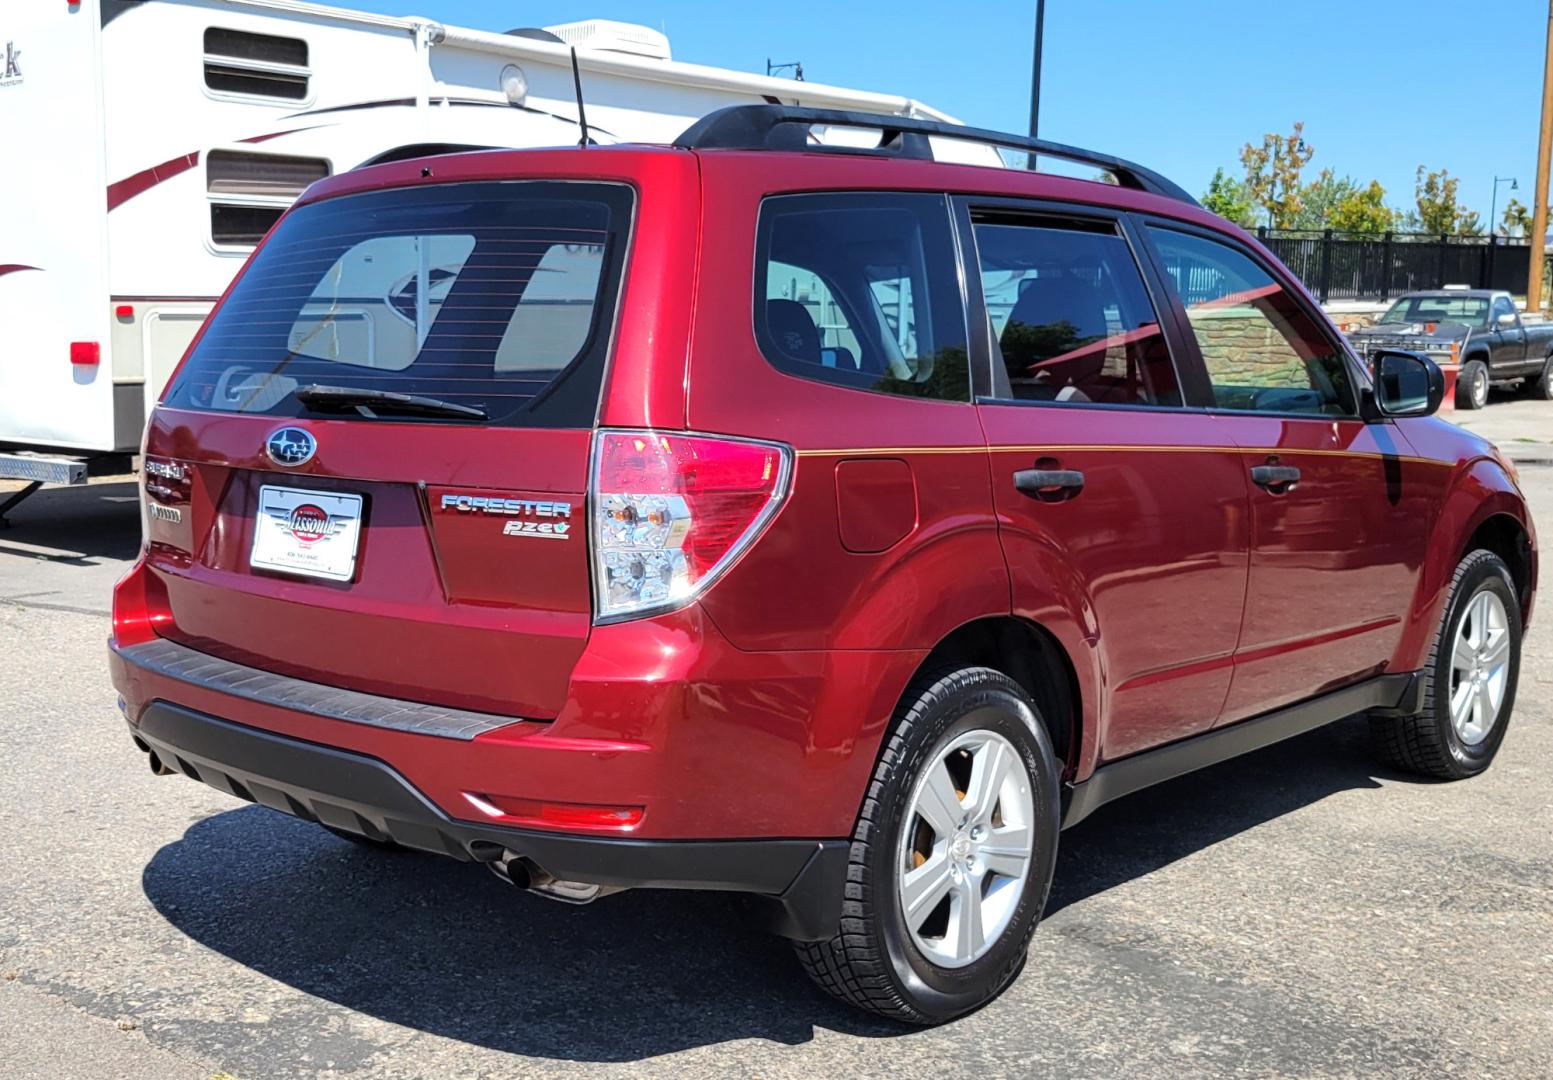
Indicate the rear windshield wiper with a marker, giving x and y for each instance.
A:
(371, 402)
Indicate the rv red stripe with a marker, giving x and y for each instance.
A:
(274, 135)
(146, 179)
(11, 268)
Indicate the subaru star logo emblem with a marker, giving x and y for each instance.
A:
(290, 446)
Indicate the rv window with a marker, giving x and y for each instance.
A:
(242, 226)
(256, 65)
(231, 172)
(263, 178)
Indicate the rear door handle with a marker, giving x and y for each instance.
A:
(1281, 477)
(1048, 482)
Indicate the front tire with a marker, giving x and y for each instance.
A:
(1469, 682)
(1472, 385)
(952, 855)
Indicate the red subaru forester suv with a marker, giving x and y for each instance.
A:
(829, 524)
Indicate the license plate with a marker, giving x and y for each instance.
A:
(314, 533)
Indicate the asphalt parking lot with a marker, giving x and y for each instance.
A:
(1302, 912)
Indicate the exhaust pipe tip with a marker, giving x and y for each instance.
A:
(513, 871)
(158, 766)
(519, 872)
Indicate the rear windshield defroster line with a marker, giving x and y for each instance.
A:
(496, 296)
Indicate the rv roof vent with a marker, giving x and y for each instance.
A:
(610, 36)
(538, 33)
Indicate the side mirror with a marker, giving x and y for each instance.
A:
(1506, 319)
(1407, 384)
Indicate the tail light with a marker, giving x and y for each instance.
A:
(670, 513)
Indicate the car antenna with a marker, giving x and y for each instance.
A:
(582, 114)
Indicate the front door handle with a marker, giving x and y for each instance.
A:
(1275, 478)
(1049, 483)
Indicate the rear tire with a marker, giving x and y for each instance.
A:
(1468, 696)
(1472, 385)
(1540, 386)
(961, 815)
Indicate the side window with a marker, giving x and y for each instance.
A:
(256, 65)
(1502, 306)
(1070, 314)
(249, 192)
(862, 290)
(1262, 351)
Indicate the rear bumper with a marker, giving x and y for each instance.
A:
(797, 884)
(663, 718)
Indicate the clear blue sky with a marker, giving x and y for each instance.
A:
(1179, 85)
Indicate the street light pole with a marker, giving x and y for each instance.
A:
(1493, 205)
(1539, 215)
(1035, 70)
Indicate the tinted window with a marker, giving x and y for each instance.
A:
(1502, 306)
(257, 65)
(1262, 350)
(234, 172)
(1070, 315)
(265, 48)
(267, 184)
(862, 290)
(242, 226)
(498, 296)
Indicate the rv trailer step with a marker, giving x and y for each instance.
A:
(39, 469)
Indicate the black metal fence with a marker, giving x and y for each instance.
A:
(1336, 266)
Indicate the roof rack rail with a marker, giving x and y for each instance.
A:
(785, 127)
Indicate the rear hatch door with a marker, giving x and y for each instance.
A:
(371, 470)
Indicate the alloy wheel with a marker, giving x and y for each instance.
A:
(965, 848)
(1480, 667)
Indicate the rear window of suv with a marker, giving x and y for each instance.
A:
(498, 296)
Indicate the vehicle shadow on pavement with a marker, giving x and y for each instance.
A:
(1153, 828)
(446, 948)
(80, 526)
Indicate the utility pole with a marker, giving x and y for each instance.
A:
(1035, 68)
(1539, 215)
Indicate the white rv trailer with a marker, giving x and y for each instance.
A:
(149, 144)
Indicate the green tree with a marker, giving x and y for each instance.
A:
(1517, 218)
(1438, 208)
(1227, 197)
(1320, 198)
(1363, 210)
(1273, 174)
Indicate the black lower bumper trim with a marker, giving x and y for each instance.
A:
(798, 883)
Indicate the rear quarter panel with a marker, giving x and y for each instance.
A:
(800, 587)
